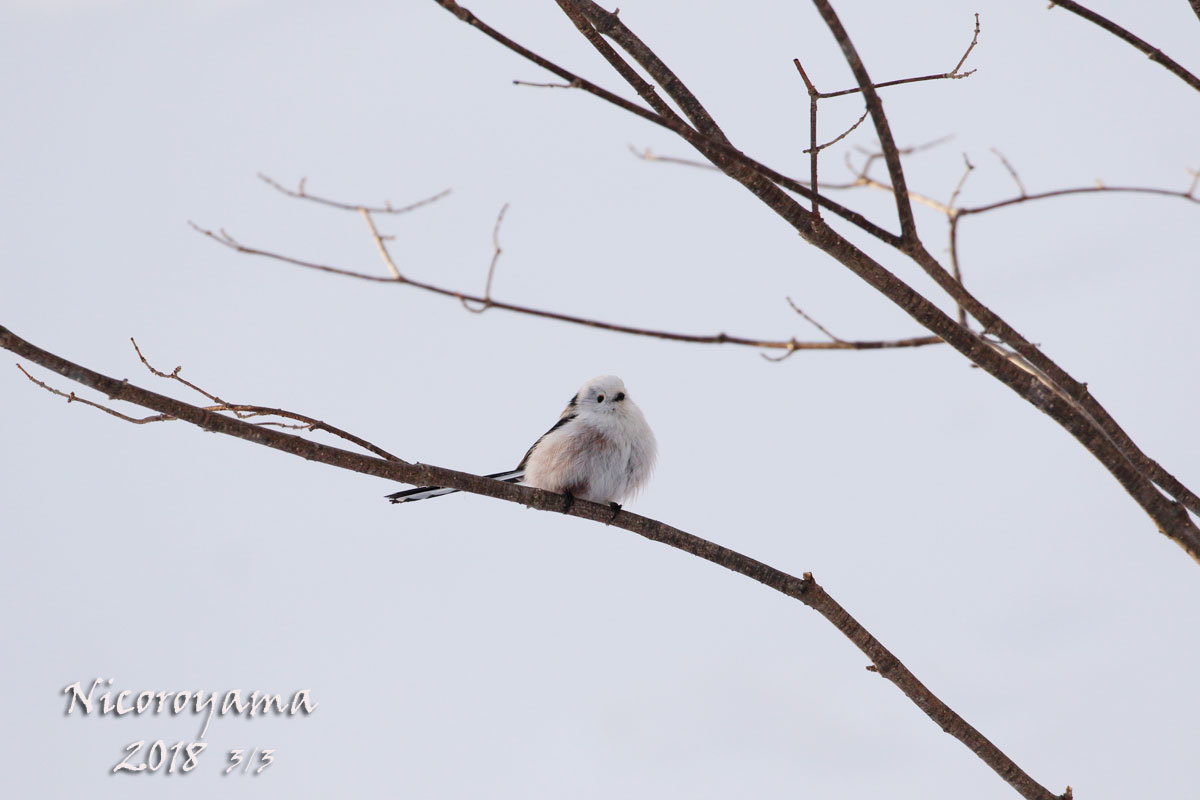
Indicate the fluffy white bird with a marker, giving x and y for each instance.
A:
(601, 449)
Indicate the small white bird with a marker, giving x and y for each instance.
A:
(601, 449)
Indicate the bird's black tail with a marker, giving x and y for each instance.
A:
(423, 492)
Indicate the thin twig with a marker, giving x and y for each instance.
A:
(496, 251)
(952, 216)
(174, 375)
(1011, 171)
(73, 398)
(571, 85)
(844, 134)
(223, 237)
(380, 245)
(244, 411)
(1183, 195)
(646, 154)
(812, 321)
(386, 208)
(949, 207)
(953, 74)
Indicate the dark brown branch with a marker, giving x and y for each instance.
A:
(1093, 429)
(671, 123)
(1195, 4)
(464, 297)
(891, 154)
(1085, 418)
(804, 589)
(1064, 400)
(611, 25)
(639, 85)
(1168, 516)
(1155, 55)
(813, 151)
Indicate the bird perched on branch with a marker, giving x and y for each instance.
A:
(601, 449)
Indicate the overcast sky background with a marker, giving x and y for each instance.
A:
(467, 647)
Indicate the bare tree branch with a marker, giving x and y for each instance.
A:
(609, 24)
(671, 123)
(804, 589)
(813, 151)
(224, 238)
(1064, 399)
(1171, 518)
(1025, 198)
(1155, 55)
(482, 303)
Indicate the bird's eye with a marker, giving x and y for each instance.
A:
(620, 396)
(599, 398)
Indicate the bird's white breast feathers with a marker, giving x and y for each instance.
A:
(599, 457)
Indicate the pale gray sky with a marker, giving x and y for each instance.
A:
(464, 647)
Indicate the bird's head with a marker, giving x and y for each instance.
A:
(603, 394)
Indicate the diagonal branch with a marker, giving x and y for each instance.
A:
(1062, 398)
(1155, 55)
(671, 123)
(804, 589)
(586, 15)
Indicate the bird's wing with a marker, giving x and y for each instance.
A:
(567, 415)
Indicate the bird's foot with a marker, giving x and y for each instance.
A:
(616, 509)
(569, 502)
